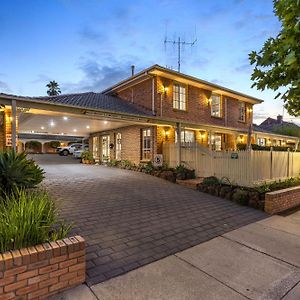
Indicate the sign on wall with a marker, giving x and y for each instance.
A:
(234, 155)
(158, 160)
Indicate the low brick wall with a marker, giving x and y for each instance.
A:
(43, 270)
(282, 200)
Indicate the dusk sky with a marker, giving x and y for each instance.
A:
(88, 45)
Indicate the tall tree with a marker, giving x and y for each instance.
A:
(53, 88)
(277, 64)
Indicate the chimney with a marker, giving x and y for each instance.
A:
(132, 70)
(279, 119)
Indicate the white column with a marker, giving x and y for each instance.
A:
(14, 124)
(178, 129)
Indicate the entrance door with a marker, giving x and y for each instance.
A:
(105, 148)
(96, 153)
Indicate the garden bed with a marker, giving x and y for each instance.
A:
(43, 270)
(261, 197)
(164, 172)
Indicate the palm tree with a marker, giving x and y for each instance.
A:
(53, 88)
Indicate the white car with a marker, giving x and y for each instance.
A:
(68, 149)
(77, 153)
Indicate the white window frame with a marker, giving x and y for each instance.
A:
(105, 147)
(187, 136)
(179, 96)
(242, 111)
(216, 106)
(118, 146)
(146, 143)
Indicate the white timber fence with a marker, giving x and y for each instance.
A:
(245, 168)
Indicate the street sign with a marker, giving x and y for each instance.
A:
(158, 160)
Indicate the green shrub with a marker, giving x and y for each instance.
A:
(113, 163)
(149, 168)
(17, 171)
(184, 173)
(241, 197)
(54, 144)
(211, 180)
(29, 218)
(87, 155)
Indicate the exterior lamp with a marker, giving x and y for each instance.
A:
(167, 133)
(165, 89)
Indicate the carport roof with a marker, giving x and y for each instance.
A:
(87, 100)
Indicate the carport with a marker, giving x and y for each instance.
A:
(72, 115)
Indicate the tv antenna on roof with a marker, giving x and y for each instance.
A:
(179, 43)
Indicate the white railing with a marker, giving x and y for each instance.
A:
(241, 167)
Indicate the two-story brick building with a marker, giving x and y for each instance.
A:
(152, 107)
(211, 115)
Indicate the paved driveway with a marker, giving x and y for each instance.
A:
(130, 219)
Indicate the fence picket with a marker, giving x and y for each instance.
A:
(250, 167)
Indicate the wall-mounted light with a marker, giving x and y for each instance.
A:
(209, 101)
(241, 138)
(166, 89)
(87, 127)
(52, 124)
(65, 118)
(167, 134)
(42, 127)
(105, 122)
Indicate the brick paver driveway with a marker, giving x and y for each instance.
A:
(130, 219)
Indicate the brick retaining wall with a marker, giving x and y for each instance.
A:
(282, 200)
(43, 270)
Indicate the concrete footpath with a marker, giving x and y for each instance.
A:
(257, 261)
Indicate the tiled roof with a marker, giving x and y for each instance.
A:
(90, 100)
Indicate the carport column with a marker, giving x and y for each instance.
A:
(178, 130)
(14, 124)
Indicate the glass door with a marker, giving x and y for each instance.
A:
(105, 148)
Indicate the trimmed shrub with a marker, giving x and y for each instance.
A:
(17, 171)
(87, 155)
(211, 180)
(240, 196)
(29, 218)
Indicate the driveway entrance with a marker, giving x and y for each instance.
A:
(130, 219)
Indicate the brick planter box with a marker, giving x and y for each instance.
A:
(43, 270)
(282, 200)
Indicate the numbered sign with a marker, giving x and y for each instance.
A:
(158, 160)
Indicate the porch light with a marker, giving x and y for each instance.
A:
(52, 123)
(105, 122)
(42, 127)
(65, 118)
(75, 130)
(87, 127)
(166, 89)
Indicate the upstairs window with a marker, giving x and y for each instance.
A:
(242, 111)
(179, 96)
(216, 105)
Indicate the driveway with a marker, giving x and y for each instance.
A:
(130, 219)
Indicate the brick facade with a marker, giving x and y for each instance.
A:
(198, 107)
(282, 200)
(40, 271)
(130, 142)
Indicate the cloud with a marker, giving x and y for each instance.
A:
(91, 35)
(42, 78)
(4, 87)
(97, 77)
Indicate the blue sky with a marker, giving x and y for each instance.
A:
(88, 45)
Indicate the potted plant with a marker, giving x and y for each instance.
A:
(87, 157)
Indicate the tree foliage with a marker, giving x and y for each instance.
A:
(53, 88)
(277, 64)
